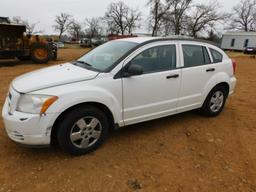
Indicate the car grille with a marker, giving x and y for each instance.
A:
(17, 136)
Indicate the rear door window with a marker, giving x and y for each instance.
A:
(195, 55)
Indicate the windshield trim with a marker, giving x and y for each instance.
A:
(110, 68)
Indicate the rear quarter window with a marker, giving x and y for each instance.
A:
(216, 56)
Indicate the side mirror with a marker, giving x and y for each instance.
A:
(133, 70)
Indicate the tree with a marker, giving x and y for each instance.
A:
(177, 14)
(213, 36)
(243, 15)
(75, 29)
(132, 20)
(167, 27)
(157, 12)
(254, 22)
(121, 19)
(116, 17)
(168, 15)
(93, 27)
(30, 27)
(62, 23)
(204, 16)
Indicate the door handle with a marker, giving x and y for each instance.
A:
(172, 76)
(210, 70)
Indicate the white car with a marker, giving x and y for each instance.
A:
(120, 83)
(60, 44)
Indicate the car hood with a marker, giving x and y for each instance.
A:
(52, 76)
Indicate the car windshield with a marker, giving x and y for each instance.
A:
(106, 55)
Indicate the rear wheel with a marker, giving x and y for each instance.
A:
(214, 102)
(82, 130)
(40, 53)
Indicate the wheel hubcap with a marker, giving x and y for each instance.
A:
(40, 53)
(85, 132)
(217, 101)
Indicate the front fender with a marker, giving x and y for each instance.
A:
(83, 94)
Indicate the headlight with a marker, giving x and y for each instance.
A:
(35, 104)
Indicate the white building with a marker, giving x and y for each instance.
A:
(238, 40)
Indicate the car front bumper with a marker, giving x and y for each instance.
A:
(28, 129)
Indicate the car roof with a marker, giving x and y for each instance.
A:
(138, 39)
(144, 40)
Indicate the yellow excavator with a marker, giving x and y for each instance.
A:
(14, 43)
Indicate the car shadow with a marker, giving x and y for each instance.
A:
(152, 125)
(14, 62)
(128, 131)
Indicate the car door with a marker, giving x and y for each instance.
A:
(197, 70)
(154, 93)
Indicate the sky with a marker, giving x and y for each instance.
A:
(43, 12)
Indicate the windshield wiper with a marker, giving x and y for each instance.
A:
(85, 63)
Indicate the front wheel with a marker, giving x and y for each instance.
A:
(40, 53)
(214, 102)
(54, 55)
(82, 130)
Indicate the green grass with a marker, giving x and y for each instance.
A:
(72, 46)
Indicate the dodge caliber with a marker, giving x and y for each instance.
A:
(119, 83)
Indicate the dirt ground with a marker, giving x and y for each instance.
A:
(185, 152)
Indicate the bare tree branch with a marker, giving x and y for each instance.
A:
(75, 29)
(93, 27)
(178, 9)
(158, 10)
(203, 16)
(243, 15)
(116, 16)
(30, 27)
(132, 20)
(121, 19)
(62, 23)
(169, 16)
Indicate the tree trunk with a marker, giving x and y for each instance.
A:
(60, 35)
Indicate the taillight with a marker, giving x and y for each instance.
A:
(234, 66)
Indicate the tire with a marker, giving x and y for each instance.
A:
(24, 58)
(54, 56)
(40, 53)
(214, 102)
(86, 137)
